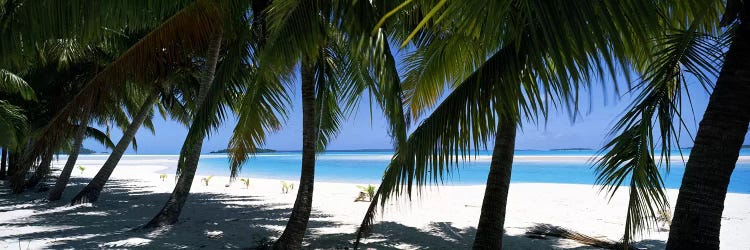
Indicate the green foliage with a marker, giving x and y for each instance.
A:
(656, 112)
(163, 177)
(664, 216)
(246, 181)
(82, 168)
(369, 190)
(11, 83)
(286, 187)
(206, 180)
(13, 125)
(538, 58)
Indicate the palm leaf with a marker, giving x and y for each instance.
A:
(11, 83)
(100, 137)
(656, 111)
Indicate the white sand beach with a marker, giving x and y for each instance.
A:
(237, 217)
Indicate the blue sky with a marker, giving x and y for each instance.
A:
(599, 111)
(360, 132)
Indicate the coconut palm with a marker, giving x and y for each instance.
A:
(62, 180)
(333, 76)
(552, 45)
(91, 192)
(57, 73)
(688, 49)
(697, 214)
(138, 64)
(179, 33)
(221, 89)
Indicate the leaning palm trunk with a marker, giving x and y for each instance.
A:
(700, 203)
(22, 163)
(4, 164)
(297, 225)
(12, 164)
(491, 220)
(188, 163)
(91, 192)
(41, 171)
(62, 180)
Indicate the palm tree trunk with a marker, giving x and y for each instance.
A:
(297, 225)
(491, 220)
(62, 180)
(4, 164)
(22, 163)
(700, 203)
(91, 192)
(41, 171)
(170, 213)
(12, 163)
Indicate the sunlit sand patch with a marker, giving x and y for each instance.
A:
(130, 242)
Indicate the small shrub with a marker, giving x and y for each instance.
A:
(246, 181)
(285, 187)
(206, 180)
(82, 168)
(664, 216)
(369, 189)
(163, 177)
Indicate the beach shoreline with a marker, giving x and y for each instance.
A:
(444, 216)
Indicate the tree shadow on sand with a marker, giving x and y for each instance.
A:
(442, 235)
(209, 220)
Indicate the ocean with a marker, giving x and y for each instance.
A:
(530, 166)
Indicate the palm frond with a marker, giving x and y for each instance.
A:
(561, 232)
(149, 60)
(100, 137)
(13, 125)
(11, 83)
(656, 112)
(25, 24)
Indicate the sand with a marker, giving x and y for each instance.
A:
(238, 217)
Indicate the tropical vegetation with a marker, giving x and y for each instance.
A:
(472, 74)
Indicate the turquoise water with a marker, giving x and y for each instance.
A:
(368, 167)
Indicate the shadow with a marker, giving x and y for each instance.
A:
(210, 221)
(442, 235)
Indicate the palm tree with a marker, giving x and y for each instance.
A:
(91, 192)
(56, 75)
(697, 216)
(56, 192)
(140, 63)
(41, 171)
(539, 33)
(180, 26)
(191, 151)
(233, 69)
(492, 218)
(333, 76)
(685, 48)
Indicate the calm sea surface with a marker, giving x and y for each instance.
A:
(368, 167)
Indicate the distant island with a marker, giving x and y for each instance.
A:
(86, 151)
(82, 151)
(260, 150)
(569, 149)
(743, 146)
